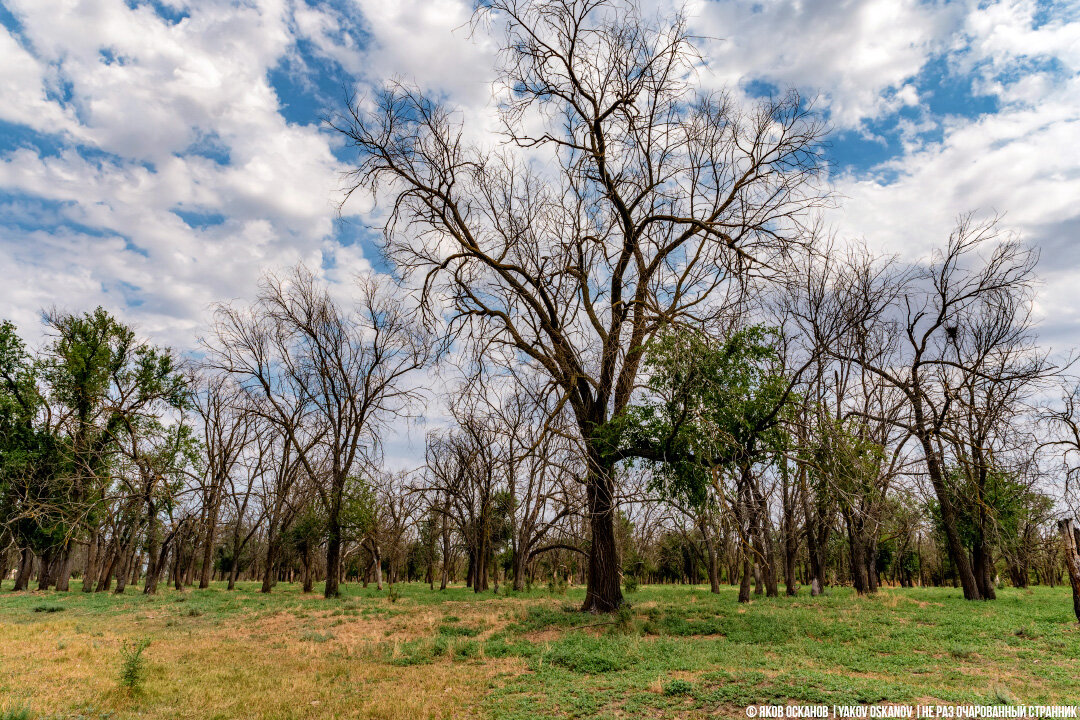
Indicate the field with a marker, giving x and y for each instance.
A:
(680, 652)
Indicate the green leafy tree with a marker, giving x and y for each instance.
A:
(714, 408)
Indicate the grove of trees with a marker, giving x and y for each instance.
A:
(648, 360)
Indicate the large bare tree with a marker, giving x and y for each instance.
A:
(619, 199)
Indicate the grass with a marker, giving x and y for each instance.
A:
(678, 652)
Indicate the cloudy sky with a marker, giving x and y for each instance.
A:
(157, 155)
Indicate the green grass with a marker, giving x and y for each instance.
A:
(679, 651)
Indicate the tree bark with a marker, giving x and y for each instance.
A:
(948, 512)
(63, 568)
(90, 571)
(1070, 537)
(207, 567)
(602, 592)
(333, 548)
(26, 567)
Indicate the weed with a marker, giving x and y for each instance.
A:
(678, 687)
(132, 666)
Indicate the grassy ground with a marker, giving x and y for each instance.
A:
(680, 652)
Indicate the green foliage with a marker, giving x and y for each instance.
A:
(711, 404)
(678, 687)
(132, 665)
(584, 654)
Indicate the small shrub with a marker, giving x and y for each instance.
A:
(132, 665)
(630, 584)
(392, 594)
(678, 687)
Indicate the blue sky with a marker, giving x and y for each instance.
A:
(156, 156)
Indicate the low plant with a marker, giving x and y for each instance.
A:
(132, 665)
(678, 687)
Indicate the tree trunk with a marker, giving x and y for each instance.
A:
(376, 555)
(308, 575)
(948, 513)
(714, 562)
(26, 567)
(744, 585)
(63, 568)
(45, 574)
(1070, 537)
(983, 570)
(90, 571)
(207, 567)
(333, 542)
(859, 579)
(271, 558)
(603, 592)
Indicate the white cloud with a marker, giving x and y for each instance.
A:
(158, 118)
(165, 101)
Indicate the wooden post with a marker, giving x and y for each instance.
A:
(1070, 537)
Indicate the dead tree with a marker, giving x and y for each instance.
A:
(657, 196)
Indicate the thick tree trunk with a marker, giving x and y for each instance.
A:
(308, 575)
(520, 561)
(26, 567)
(271, 558)
(333, 550)
(376, 555)
(207, 567)
(859, 579)
(63, 568)
(48, 567)
(1070, 539)
(747, 574)
(603, 592)
(90, 571)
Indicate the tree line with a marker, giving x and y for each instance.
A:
(657, 366)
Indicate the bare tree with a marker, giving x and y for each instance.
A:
(929, 331)
(619, 201)
(330, 378)
(228, 429)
